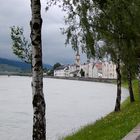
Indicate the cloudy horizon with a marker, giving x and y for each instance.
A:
(18, 13)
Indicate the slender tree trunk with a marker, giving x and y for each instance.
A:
(39, 121)
(129, 77)
(139, 73)
(118, 99)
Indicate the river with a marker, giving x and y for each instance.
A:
(69, 106)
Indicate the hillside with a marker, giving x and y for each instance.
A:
(12, 63)
(5, 67)
(16, 66)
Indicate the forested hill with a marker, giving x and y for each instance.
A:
(7, 64)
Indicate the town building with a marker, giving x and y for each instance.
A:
(62, 71)
(109, 70)
(98, 69)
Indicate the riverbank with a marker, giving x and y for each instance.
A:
(102, 80)
(115, 125)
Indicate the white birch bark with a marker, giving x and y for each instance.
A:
(39, 121)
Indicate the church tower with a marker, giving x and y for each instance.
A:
(77, 58)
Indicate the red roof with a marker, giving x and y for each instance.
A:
(98, 65)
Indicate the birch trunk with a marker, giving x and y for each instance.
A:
(118, 99)
(39, 121)
(129, 76)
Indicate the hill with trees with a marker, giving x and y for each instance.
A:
(16, 66)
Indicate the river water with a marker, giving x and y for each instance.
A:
(70, 105)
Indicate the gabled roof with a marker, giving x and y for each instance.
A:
(62, 67)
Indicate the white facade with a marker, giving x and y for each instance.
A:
(94, 72)
(74, 70)
(90, 70)
(109, 70)
(97, 70)
(62, 71)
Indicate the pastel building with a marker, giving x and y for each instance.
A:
(99, 69)
(109, 70)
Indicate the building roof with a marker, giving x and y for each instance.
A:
(62, 67)
(98, 65)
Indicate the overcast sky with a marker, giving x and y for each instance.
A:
(18, 13)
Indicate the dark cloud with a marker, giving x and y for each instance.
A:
(17, 12)
(12, 13)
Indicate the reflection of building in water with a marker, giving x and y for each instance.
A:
(99, 69)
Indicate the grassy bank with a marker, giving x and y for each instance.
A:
(115, 125)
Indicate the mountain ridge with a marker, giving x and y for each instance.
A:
(4, 63)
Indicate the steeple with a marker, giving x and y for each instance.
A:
(77, 59)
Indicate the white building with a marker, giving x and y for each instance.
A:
(90, 69)
(69, 70)
(62, 71)
(99, 69)
(109, 70)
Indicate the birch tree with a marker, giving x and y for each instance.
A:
(32, 53)
(39, 121)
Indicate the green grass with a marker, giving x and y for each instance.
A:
(115, 125)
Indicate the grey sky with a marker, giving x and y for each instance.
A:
(17, 12)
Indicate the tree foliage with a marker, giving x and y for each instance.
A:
(82, 73)
(20, 45)
(56, 65)
(114, 21)
(78, 31)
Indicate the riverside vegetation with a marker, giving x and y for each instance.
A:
(115, 125)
